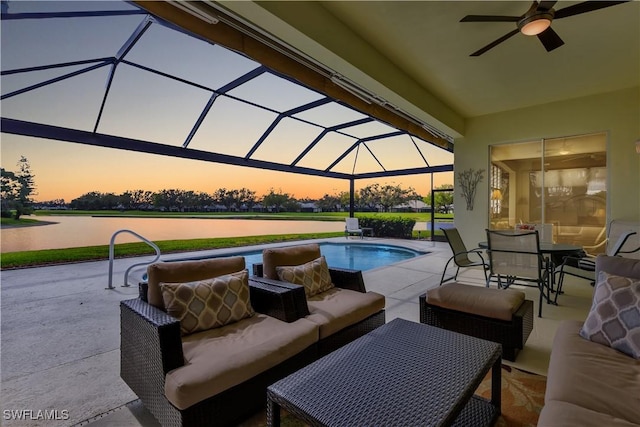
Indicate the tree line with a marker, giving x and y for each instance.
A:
(371, 198)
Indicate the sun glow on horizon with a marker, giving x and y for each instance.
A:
(68, 170)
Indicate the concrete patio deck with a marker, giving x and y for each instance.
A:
(60, 333)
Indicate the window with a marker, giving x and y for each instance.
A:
(560, 181)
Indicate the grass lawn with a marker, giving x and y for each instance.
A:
(22, 222)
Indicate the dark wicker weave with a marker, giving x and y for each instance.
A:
(295, 292)
(512, 335)
(342, 278)
(401, 374)
(151, 346)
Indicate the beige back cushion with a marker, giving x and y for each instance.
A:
(187, 271)
(210, 303)
(290, 255)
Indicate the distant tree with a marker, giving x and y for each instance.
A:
(247, 197)
(442, 199)
(275, 200)
(345, 199)
(291, 205)
(17, 189)
(137, 199)
(170, 200)
(97, 201)
(52, 204)
(227, 198)
(376, 196)
(328, 203)
(370, 197)
(393, 195)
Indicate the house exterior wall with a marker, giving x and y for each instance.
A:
(616, 113)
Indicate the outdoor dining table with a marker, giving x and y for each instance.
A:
(556, 252)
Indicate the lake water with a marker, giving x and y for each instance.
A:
(71, 231)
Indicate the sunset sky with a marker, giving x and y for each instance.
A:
(66, 171)
(146, 106)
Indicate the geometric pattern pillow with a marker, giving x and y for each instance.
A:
(209, 303)
(614, 319)
(314, 276)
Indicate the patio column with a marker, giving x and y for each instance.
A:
(351, 197)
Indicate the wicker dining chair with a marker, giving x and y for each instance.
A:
(515, 257)
(461, 256)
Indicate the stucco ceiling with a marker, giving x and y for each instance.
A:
(416, 54)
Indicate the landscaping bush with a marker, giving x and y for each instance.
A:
(388, 226)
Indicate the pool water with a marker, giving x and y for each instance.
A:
(347, 255)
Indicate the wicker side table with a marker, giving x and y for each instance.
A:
(402, 373)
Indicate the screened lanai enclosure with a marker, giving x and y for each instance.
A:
(111, 74)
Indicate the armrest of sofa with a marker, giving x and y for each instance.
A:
(282, 300)
(258, 269)
(150, 339)
(346, 278)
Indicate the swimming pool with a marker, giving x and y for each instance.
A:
(355, 256)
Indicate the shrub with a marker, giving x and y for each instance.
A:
(388, 226)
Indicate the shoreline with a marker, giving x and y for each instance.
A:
(36, 223)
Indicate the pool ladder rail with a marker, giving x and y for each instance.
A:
(126, 273)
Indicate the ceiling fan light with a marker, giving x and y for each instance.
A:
(535, 27)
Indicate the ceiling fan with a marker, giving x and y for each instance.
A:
(537, 21)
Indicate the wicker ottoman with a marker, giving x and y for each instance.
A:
(502, 316)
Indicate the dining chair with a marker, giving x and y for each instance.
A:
(584, 267)
(461, 255)
(515, 258)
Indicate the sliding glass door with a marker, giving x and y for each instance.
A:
(558, 182)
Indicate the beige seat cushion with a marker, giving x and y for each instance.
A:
(492, 303)
(218, 359)
(592, 375)
(563, 414)
(290, 255)
(338, 308)
(187, 271)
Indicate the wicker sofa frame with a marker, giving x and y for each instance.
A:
(511, 334)
(151, 346)
(343, 278)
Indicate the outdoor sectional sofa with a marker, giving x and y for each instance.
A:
(219, 376)
(591, 383)
(343, 312)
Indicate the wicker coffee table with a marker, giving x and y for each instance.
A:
(402, 373)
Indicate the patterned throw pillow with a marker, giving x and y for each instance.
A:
(314, 276)
(614, 319)
(209, 303)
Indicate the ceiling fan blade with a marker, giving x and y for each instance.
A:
(584, 7)
(490, 18)
(495, 43)
(550, 39)
(546, 5)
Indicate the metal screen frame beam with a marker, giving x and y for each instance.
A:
(38, 130)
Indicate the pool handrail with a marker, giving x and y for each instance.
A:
(126, 273)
